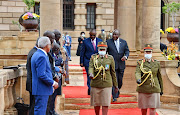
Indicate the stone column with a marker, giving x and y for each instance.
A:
(151, 25)
(50, 16)
(99, 21)
(139, 9)
(80, 16)
(126, 23)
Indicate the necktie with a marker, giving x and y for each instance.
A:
(94, 46)
(117, 47)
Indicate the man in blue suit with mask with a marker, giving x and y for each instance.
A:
(42, 80)
(89, 47)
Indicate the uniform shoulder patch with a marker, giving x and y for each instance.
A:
(109, 55)
(139, 61)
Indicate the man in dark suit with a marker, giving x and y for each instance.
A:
(42, 80)
(118, 48)
(89, 47)
(163, 47)
(29, 78)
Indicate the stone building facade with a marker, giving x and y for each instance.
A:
(105, 17)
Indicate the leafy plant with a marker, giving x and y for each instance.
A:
(19, 26)
(172, 9)
(29, 3)
(170, 53)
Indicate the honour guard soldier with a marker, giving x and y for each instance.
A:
(110, 35)
(149, 80)
(102, 35)
(103, 77)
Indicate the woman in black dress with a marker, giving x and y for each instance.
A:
(80, 40)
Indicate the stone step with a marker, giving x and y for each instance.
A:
(76, 73)
(172, 106)
(75, 69)
(87, 100)
(112, 106)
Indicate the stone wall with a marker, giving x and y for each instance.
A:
(20, 44)
(10, 10)
(104, 19)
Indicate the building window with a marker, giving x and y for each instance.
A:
(68, 14)
(91, 16)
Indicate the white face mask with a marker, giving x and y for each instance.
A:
(67, 35)
(103, 32)
(102, 53)
(83, 35)
(148, 56)
(110, 34)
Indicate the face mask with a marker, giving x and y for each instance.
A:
(110, 34)
(102, 53)
(103, 32)
(82, 35)
(148, 56)
(67, 35)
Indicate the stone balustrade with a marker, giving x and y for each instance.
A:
(13, 86)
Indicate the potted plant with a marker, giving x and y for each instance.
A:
(29, 20)
(172, 34)
(172, 9)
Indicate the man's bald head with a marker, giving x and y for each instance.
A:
(116, 34)
(92, 34)
(50, 35)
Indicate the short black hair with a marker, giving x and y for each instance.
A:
(92, 30)
(82, 33)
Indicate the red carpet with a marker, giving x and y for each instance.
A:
(80, 91)
(111, 103)
(131, 111)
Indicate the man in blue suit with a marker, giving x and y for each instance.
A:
(118, 48)
(89, 47)
(42, 80)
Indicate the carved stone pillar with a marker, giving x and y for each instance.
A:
(80, 16)
(126, 22)
(139, 9)
(50, 15)
(6, 97)
(151, 25)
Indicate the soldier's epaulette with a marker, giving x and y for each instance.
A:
(109, 55)
(139, 61)
(93, 55)
(154, 60)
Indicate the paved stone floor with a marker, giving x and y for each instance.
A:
(78, 80)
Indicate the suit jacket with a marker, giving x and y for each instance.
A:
(87, 50)
(52, 63)
(79, 46)
(163, 47)
(42, 79)
(28, 67)
(123, 51)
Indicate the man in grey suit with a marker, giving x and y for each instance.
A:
(29, 77)
(118, 48)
